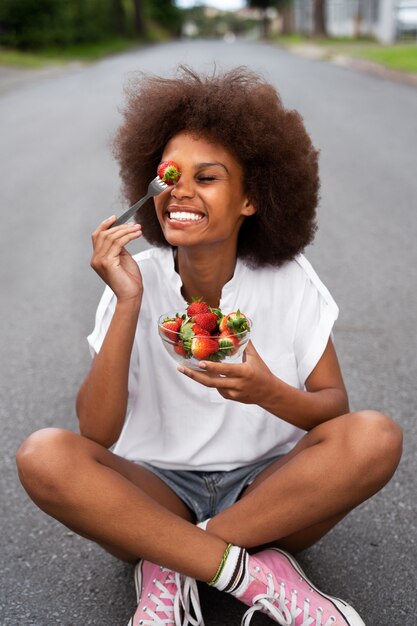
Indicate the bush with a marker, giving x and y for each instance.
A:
(34, 24)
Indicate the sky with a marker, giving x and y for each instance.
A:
(225, 5)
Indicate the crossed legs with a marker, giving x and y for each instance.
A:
(133, 514)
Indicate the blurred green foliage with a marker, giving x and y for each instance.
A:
(166, 14)
(37, 24)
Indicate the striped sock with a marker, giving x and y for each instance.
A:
(233, 573)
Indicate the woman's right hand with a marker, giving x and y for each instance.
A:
(113, 263)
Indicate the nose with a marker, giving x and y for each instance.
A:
(184, 188)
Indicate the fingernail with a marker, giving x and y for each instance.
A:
(180, 369)
(109, 218)
(202, 365)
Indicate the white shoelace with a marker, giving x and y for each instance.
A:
(186, 593)
(275, 603)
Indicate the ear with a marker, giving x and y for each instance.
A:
(248, 208)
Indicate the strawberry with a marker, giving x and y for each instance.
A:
(179, 349)
(203, 347)
(171, 327)
(228, 343)
(223, 324)
(187, 333)
(169, 172)
(197, 330)
(197, 306)
(186, 329)
(207, 321)
(236, 322)
(217, 312)
(203, 332)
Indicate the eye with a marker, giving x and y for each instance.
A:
(206, 178)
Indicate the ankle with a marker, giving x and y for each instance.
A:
(232, 574)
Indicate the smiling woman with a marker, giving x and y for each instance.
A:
(192, 472)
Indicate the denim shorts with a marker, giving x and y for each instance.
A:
(209, 493)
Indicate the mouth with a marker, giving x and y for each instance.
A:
(175, 215)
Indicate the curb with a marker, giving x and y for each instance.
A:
(317, 53)
(367, 67)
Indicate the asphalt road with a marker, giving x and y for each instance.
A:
(59, 181)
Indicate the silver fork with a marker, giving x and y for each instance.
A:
(156, 186)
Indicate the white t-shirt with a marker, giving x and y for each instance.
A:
(175, 423)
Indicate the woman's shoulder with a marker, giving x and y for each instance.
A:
(290, 279)
(154, 260)
(312, 278)
(152, 254)
(292, 272)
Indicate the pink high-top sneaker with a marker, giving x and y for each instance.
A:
(164, 597)
(280, 589)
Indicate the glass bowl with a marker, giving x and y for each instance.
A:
(224, 349)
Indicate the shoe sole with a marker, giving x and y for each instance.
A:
(138, 580)
(138, 586)
(347, 611)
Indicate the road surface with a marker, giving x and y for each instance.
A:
(59, 181)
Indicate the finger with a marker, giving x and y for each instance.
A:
(106, 239)
(230, 370)
(207, 380)
(250, 352)
(112, 248)
(118, 247)
(250, 348)
(105, 228)
(105, 224)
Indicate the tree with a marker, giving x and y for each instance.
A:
(166, 14)
(319, 18)
(282, 5)
(264, 5)
(118, 20)
(286, 9)
(140, 28)
(357, 20)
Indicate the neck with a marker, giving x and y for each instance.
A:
(204, 273)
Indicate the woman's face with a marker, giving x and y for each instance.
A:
(208, 205)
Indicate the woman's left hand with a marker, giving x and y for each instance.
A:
(246, 382)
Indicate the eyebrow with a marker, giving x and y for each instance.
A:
(214, 163)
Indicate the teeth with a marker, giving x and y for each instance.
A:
(183, 215)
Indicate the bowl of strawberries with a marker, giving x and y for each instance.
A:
(203, 333)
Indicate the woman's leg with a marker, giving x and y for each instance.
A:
(293, 502)
(299, 498)
(114, 502)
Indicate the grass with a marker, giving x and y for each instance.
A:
(51, 56)
(399, 56)
(15, 58)
(290, 40)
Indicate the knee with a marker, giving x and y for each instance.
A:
(377, 444)
(41, 459)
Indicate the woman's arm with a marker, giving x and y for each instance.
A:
(102, 399)
(325, 396)
(252, 382)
